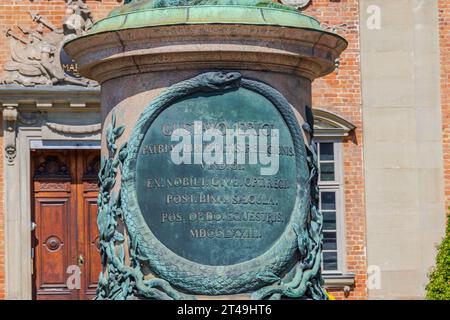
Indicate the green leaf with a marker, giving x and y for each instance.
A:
(113, 120)
(119, 131)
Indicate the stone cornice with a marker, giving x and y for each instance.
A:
(309, 53)
(51, 97)
(328, 124)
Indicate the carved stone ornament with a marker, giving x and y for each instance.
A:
(299, 4)
(343, 27)
(291, 268)
(71, 129)
(10, 115)
(37, 57)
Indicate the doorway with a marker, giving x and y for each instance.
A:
(65, 239)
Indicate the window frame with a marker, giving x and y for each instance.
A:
(336, 186)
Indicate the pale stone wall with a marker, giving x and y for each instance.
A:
(402, 143)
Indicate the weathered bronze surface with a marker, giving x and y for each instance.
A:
(216, 214)
(274, 260)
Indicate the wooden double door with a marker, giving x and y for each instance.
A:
(65, 242)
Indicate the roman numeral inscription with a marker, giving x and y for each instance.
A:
(211, 199)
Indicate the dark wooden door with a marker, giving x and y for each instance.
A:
(65, 238)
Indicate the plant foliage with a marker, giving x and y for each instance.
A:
(439, 286)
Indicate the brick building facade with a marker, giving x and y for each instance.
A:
(338, 97)
(340, 94)
(444, 38)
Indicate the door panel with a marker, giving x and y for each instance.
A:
(65, 189)
(90, 164)
(54, 245)
(55, 216)
(93, 266)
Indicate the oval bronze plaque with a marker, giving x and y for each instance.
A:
(213, 213)
(204, 219)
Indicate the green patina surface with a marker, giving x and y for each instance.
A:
(242, 219)
(149, 13)
(136, 5)
(122, 226)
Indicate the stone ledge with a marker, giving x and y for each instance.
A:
(308, 53)
(339, 281)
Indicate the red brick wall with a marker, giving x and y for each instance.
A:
(341, 94)
(13, 13)
(444, 36)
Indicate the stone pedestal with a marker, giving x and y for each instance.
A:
(139, 51)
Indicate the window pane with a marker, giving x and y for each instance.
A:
(328, 166)
(329, 241)
(330, 261)
(327, 172)
(329, 221)
(328, 200)
(326, 151)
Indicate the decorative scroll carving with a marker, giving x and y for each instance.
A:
(53, 186)
(10, 115)
(69, 129)
(52, 167)
(37, 57)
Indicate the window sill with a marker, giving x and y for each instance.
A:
(339, 280)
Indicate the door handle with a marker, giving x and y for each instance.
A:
(80, 260)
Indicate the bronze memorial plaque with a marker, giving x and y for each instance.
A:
(215, 185)
(221, 212)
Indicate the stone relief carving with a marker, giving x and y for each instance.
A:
(10, 114)
(299, 4)
(69, 129)
(343, 27)
(37, 57)
(78, 19)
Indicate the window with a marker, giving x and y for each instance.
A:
(330, 191)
